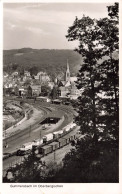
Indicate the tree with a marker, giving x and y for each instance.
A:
(98, 42)
(98, 104)
(109, 37)
(34, 70)
(45, 90)
(29, 171)
(86, 164)
(85, 30)
(27, 82)
(54, 92)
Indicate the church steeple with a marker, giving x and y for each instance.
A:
(67, 72)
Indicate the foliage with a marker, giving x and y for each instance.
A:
(34, 60)
(33, 70)
(28, 171)
(98, 103)
(31, 170)
(45, 90)
(109, 35)
(27, 82)
(54, 92)
(98, 111)
(86, 164)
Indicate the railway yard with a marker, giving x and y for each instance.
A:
(50, 131)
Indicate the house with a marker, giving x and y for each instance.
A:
(5, 85)
(34, 90)
(67, 80)
(15, 73)
(27, 73)
(67, 87)
(73, 79)
(8, 91)
(10, 85)
(22, 91)
(24, 78)
(16, 90)
(42, 77)
(5, 74)
(64, 91)
(51, 84)
(74, 90)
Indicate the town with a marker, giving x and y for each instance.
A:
(39, 85)
(22, 95)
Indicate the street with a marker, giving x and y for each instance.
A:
(36, 131)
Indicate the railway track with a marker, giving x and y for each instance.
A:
(68, 114)
(48, 108)
(20, 133)
(20, 159)
(68, 118)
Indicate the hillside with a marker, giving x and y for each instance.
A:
(51, 61)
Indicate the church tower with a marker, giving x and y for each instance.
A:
(67, 72)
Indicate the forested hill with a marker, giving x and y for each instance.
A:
(41, 59)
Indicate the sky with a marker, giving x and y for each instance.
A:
(44, 25)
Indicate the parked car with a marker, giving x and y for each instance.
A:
(25, 148)
(6, 155)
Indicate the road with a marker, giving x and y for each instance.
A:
(56, 156)
(36, 131)
(29, 134)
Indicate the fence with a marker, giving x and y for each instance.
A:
(18, 121)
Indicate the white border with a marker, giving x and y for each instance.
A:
(88, 188)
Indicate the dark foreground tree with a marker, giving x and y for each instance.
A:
(31, 170)
(98, 111)
(98, 77)
(88, 164)
(85, 30)
(26, 172)
(109, 37)
(96, 158)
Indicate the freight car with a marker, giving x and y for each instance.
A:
(60, 132)
(45, 150)
(66, 129)
(59, 143)
(56, 135)
(55, 145)
(69, 137)
(48, 138)
(62, 136)
(62, 142)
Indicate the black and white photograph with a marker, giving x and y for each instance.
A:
(60, 92)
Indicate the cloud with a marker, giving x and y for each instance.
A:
(47, 21)
(63, 7)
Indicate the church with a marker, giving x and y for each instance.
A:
(67, 87)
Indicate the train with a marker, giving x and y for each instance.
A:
(56, 144)
(62, 137)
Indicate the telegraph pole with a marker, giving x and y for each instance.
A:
(6, 144)
(30, 131)
(40, 136)
(54, 156)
